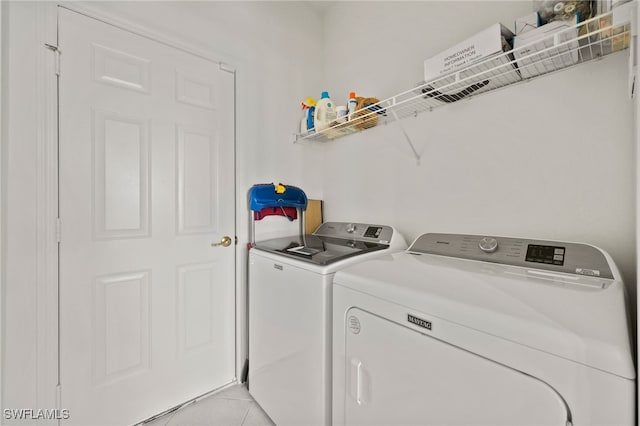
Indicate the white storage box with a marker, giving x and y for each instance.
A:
(534, 48)
(475, 65)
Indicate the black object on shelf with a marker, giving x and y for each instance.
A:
(430, 92)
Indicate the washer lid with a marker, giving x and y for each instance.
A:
(318, 250)
(579, 318)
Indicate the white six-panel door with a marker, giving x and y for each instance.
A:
(146, 185)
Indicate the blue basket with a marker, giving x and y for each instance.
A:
(264, 195)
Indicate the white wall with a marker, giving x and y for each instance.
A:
(551, 159)
(20, 147)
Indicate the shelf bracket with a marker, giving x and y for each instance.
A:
(406, 136)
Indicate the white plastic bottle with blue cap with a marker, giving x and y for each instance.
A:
(325, 112)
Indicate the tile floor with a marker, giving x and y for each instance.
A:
(232, 406)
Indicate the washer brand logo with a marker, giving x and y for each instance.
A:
(278, 267)
(419, 322)
(442, 242)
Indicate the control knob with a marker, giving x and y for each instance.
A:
(488, 244)
(351, 228)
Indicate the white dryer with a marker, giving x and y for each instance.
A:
(290, 295)
(470, 330)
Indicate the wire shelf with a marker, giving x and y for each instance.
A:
(563, 47)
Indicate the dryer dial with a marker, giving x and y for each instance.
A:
(488, 244)
(351, 228)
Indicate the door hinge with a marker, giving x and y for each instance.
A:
(56, 52)
(236, 239)
(58, 230)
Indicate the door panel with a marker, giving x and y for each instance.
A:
(397, 376)
(120, 176)
(197, 158)
(146, 304)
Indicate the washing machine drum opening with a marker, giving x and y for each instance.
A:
(318, 249)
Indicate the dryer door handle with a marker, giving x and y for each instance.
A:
(359, 382)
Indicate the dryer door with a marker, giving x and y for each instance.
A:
(397, 376)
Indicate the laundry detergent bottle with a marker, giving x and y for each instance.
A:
(325, 112)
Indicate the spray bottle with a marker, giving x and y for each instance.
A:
(308, 110)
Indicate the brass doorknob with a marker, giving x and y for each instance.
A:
(224, 242)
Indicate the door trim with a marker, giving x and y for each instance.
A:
(47, 253)
(132, 27)
(46, 305)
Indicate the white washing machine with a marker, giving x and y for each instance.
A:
(470, 330)
(290, 294)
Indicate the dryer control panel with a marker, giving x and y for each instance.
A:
(571, 258)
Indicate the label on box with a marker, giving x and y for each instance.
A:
(483, 44)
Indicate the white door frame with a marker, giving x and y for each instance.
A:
(46, 121)
(47, 197)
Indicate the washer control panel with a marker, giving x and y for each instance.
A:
(356, 231)
(572, 258)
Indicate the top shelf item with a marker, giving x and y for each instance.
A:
(558, 45)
